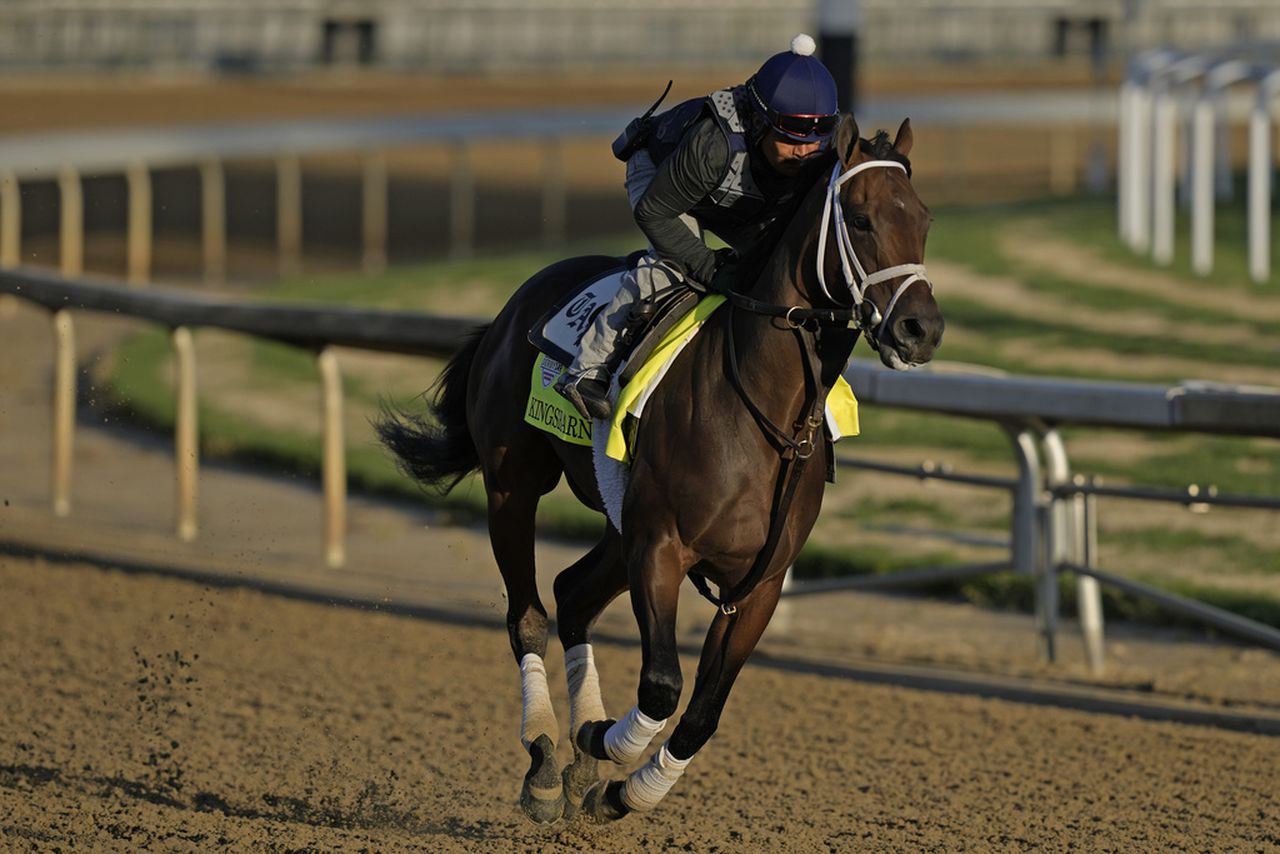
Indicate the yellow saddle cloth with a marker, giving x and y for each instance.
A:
(548, 411)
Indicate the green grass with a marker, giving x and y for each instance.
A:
(967, 236)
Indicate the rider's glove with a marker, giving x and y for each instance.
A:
(726, 272)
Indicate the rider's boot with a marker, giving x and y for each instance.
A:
(588, 394)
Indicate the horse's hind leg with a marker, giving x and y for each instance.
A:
(513, 502)
(582, 592)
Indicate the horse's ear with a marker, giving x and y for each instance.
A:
(845, 143)
(903, 141)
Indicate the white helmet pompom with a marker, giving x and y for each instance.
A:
(803, 45)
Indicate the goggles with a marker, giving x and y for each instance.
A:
(794, 126)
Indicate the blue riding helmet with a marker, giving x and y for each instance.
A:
(796, 93)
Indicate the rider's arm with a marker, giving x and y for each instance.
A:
(685, 178)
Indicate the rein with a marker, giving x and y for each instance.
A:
(798, 448)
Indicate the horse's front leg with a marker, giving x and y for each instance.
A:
(729, 643)
(655, 574)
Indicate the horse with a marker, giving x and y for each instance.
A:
(719, 488)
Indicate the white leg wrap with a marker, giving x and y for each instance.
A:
(584, 687)
(539, 717)
(650, 783)
(628, 738)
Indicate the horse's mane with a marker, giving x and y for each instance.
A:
(881, 148)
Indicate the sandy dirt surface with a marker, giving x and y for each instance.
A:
(142, 713)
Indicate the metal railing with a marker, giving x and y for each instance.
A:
(1052, 523)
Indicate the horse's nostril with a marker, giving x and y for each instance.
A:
(910, 329)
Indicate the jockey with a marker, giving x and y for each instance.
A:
(730, 163)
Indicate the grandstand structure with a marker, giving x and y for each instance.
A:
(483, 36)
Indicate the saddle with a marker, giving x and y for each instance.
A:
(558, 333)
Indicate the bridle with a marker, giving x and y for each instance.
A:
(855, 275)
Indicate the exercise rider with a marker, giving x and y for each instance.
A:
(730, 163)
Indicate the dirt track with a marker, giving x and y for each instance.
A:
(140, 713)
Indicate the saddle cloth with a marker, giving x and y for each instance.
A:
(557, 336)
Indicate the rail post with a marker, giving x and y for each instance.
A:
(1134, 173)
(374, 211)
(71, 230)
(1025, 498)
(462, 202)
(1067, 531)
(334, 456)
(289, 213)
(1163, 173)
(140, 225)
(554, 206)
(213, 221)
(64, 409)
(1062, 161)
(1089, 601)
(10, 232)
(1207, 143)
(1260, 174)
(186, 432)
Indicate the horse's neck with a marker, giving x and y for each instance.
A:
(777, 367)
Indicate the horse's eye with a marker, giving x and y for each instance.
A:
(861, 222)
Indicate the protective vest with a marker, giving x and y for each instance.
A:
(736, 200)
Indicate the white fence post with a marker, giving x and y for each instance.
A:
(71, 230)
(140, 223)
(374, 211)
(213, 220)
(462, 202)
(289, 213)
(1260, 173)
(334, 467)
(1163, 174)
(1202, 200)
(64, 409)
(10, 233)
(186, 445)
(1211, 139)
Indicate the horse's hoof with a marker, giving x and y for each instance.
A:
(542, 795)
(603, 802)
(591, 738)
(578, 777)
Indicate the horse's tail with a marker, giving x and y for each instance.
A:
(436, 449)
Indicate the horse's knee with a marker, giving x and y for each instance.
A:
(659, 693)
(694, 730)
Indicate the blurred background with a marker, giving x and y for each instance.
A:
(1015, 100)
(431, 155)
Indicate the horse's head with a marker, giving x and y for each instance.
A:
(879, 226)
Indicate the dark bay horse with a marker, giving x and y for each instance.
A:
(719, 486)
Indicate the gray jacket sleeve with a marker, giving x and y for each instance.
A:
(685, 178)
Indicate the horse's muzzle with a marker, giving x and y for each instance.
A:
(911, 338)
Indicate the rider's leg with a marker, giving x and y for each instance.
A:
(586, 381)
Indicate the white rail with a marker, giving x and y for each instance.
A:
(1171, 101)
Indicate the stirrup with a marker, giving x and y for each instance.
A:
(589, 396)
